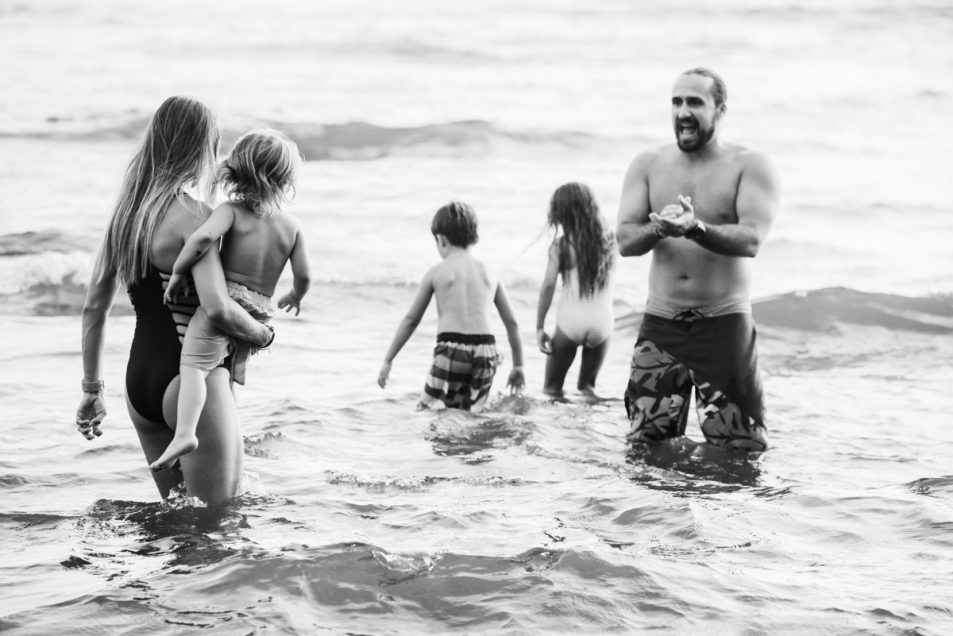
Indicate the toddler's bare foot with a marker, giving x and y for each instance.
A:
(176, 448)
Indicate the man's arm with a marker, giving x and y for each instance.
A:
(225, 313)
(636, 234)
(756, 204)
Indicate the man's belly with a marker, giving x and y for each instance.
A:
(700, 282)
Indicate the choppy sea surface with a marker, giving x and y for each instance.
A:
(360, 514)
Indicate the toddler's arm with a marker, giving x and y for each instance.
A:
(301, 270)
(546, 291)
(517, 380)
(407, 326)
(215, 227)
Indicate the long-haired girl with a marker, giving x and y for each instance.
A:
(583, 255)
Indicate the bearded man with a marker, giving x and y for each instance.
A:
(703, 208)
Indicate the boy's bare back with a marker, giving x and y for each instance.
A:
(465, 291)
(256, 249)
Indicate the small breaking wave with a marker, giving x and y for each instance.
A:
(348, 141)
(825, 310)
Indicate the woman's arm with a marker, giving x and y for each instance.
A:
(99, 299)
(225, 313)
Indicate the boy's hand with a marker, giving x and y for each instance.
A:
(289, 301)
(90, 414)
(383, 374)
(517, 381)
(544, 342)
(177, 283)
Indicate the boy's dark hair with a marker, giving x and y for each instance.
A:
(458, 222)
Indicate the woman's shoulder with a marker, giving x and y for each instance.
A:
(186, 214)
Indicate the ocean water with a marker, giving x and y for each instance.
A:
(361, 515)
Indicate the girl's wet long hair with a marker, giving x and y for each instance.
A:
(573, 208)
(260, 171)
(179, 149)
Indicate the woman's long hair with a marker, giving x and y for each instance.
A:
(179, 149)
(573, 208)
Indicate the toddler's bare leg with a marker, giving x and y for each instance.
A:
(192, 394)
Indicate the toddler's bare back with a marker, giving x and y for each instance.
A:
(256, 249)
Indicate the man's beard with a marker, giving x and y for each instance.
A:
(700, 139)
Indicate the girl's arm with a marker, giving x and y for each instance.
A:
(517, 379)
(99, 299)
(301, 270)
(546, 292)
(197, 245)
(407, 326)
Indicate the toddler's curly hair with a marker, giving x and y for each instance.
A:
(261, 170)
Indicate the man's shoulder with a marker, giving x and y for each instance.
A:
(654, 154)
(653, 158)
(744, 154)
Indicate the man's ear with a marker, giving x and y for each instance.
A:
(440, 239)
(722, 109)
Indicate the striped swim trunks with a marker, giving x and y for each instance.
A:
(462, 371)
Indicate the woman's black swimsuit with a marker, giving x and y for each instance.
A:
(156, 344)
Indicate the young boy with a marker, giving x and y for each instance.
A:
(465, 358)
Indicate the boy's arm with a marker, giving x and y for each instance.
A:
(301, 270)
(407, 326)
(516, 380)
(546, 291)
(196, 245)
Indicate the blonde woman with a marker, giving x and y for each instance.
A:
(149, 225)
(259, 239)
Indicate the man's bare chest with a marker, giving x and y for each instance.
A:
(713, 192)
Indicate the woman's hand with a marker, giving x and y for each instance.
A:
(544, 342)
(90, 414)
